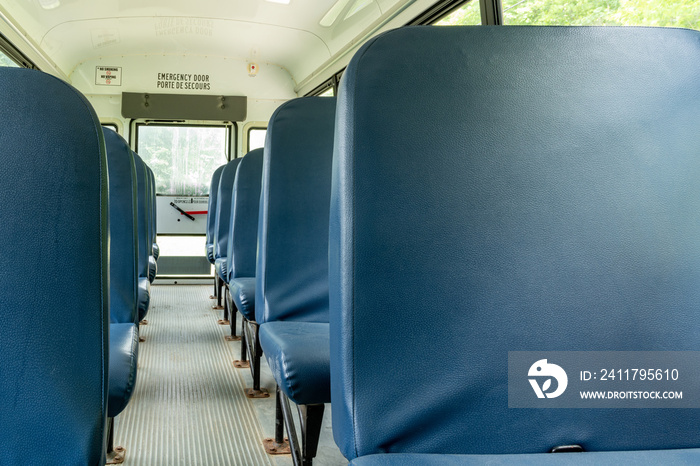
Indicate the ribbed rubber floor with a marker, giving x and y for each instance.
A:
(188, 407)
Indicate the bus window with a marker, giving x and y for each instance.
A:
(469, 14)
(183, 157)
(256, 138)
(7, 61)
(328, 88)
(669, 13)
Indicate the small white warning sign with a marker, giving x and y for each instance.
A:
(108, 75)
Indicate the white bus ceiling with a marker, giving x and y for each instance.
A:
(210, 44)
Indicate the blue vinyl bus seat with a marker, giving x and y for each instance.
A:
(223, 218)
(242, 249)
(54, 370)
(211, 213)
(243, 239)
(538, 191)
(123, 207)
(211, 224)
(243, 231)
(123, 276)
(224, 200)
(144, 241)
(154, 214)
(150, 224)
(291, 303)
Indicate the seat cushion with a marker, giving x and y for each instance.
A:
(242, 291)
(152, 268)
(298, 354)
(123, 356)
(210, 253)
(144, 297)
(156, 251)
(221, 267)
(651, 457)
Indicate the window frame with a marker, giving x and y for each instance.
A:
(247, 135)
(439, 10)
(11, 52)
(331, 83)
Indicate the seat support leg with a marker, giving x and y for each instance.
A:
(226, 308)
(279, 417)
(213, 296)
(254, 352)
(219, 284)
(225, 320)
(232, 310)
(243, 362)
(311, 418)
(244, 340)
(278, 445)
(115, 455)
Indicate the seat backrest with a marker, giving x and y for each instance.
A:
(123, 205)
(143, 214)
(223, 208)
(152, 200)
(292, 262)
(500, 189)
(243, 234)
(211, 208)
(53, 186)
